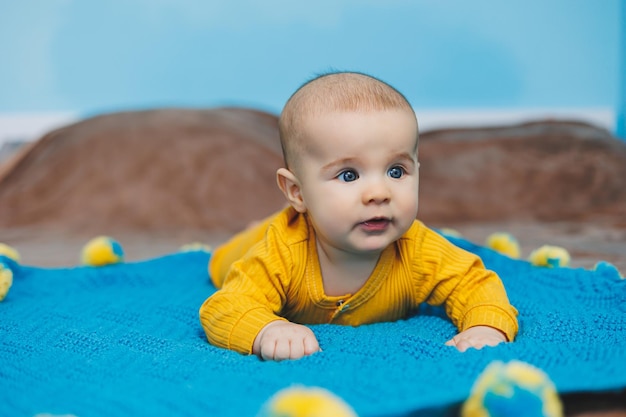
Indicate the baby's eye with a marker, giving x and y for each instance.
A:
(396, 172)
(348, 175)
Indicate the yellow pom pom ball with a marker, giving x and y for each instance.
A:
(6, 280)
(446, 231)
(9, 252)
(550, 256)
(101, 251)
(6, 274)
(195, 247)
(306, 402)
(515, 389)
(504, 243)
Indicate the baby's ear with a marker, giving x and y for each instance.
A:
(290, 186)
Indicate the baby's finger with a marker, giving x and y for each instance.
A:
(462, 345)
(268, 350)
(311, 345)
(297, 349)
(492, 342)
(282, 350)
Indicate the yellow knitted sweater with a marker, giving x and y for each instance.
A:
(271, 272)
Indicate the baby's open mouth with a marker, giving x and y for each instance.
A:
(376, 224)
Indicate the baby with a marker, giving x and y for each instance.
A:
(348, 249)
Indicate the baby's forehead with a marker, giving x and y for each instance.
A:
(342, 119)
(345, 91)
(328, 94)
(333, 128)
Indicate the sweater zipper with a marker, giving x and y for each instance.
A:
(341, 307)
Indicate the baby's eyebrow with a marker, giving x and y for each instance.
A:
(406, 157)
(339, 163)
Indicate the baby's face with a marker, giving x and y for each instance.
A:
(359, 178)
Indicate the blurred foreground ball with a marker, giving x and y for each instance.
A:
(504, 243)
(514, 389)
(6, 274)
(306, 402)
(9, 252)
(195, 247)
(101, 251)
(550, 256)
(6, 280)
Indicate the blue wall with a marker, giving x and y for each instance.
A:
(92, 56)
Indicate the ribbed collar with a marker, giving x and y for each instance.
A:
(315, 284)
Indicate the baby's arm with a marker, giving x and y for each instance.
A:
(281, 340)
(477, 337)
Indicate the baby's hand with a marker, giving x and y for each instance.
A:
(281, 340)
(477, 337)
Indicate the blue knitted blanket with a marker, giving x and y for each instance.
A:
(125, 340)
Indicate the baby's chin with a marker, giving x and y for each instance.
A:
(372, 247)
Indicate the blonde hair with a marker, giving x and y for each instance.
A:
(337, 91)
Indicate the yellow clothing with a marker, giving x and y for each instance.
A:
(271, 272)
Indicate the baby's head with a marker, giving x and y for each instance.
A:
(350, 146)
(333, 92)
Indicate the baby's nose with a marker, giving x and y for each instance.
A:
(376, 192)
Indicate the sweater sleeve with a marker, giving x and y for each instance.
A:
(228, 253)
(253, 293)
(472, 294)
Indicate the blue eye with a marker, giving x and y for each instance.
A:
(396, 172)
(348, 176)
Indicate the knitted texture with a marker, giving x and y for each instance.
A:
(126, 340)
